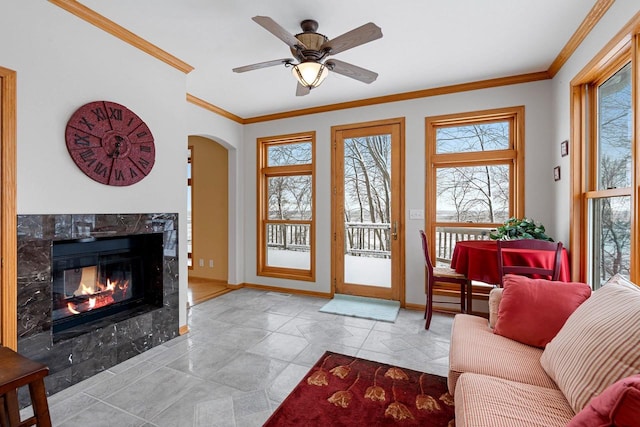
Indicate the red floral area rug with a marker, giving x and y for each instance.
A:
(346, 391)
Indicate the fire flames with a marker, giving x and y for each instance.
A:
(97, 296)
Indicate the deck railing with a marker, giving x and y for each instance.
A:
(291, 237)
(447, 237)
(370, 239)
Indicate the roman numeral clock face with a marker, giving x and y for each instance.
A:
(110, 143)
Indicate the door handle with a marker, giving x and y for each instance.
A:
(394, 233)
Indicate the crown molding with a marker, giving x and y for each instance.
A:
(214, 109)
(593, 17)
(83, 12)
(405, 96)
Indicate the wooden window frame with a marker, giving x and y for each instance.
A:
(263, 173)
(514, 156)
(623, 48)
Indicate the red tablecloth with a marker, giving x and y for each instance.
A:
(478, 260)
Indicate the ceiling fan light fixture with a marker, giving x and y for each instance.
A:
(310, 73)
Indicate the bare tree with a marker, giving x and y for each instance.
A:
(614, 171)
(474, 193)
(289, 196)
(367, 162)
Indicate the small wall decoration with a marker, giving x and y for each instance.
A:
(564, 148)
(110, 143)
(556, 173)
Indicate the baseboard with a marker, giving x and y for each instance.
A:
(283, 290)
(208, 280)
(415, 307)
(409, 306)
(184, 329)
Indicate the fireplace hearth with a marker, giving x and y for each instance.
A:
(129, 262)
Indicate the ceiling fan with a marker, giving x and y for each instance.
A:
(311, 49)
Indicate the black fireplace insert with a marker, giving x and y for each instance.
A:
(96, 279)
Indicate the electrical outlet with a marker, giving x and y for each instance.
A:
(210, 263)
(201, 262)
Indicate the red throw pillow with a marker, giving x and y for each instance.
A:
(532, 311)
(618, 405)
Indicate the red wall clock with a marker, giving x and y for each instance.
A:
(110, 143)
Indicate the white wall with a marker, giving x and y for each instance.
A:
(618, 15)
(538, 169)
(62, 63)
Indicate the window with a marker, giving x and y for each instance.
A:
(286, 186)
(475, 175)
(190, 209)
(605, 215)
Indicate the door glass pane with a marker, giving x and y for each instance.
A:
(289, 154)
(289, 197)
(610, 250)
(615, 131)
(474, 137)
(367, 210)
(288, 245)
(472, 194)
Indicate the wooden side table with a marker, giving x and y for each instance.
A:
(17, 371)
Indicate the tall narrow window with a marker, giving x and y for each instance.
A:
(606, 209)
(610, 200)
(474, 175)
(286, 189)
(190, 209)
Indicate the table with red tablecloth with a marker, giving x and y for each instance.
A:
(478, 260)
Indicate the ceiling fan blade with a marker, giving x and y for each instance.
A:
(262, 65)
(277, 30)
(302, 90)
(351, 70)
(361, 35)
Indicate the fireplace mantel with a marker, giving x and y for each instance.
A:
(73, 360)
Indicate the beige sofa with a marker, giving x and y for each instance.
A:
(497, 381)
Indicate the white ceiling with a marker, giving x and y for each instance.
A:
(425, 44)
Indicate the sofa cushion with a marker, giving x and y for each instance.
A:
(598, 345)
(618, 404)
(494, 402)
(475, 348)
(495, 295)
(532, 311)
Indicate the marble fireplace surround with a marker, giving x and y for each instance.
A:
(105, 345)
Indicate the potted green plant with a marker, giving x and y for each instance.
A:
(520, 228)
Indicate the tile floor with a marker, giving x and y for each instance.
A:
(245, 352)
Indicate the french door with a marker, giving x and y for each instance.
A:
(367, 228)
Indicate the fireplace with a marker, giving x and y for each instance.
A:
(139, 250)
(96, 278)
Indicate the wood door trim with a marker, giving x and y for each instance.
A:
(335, 234)
(8, 221)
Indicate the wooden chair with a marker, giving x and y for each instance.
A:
(17, 371)
(554, 249)
(446, 275)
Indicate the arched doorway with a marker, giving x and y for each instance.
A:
(208, 219)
